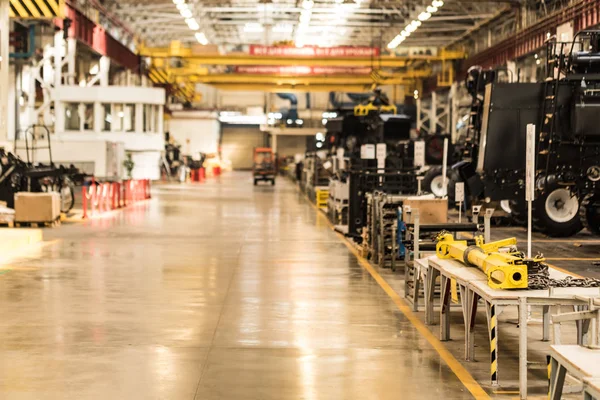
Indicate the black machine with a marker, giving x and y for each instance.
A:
(565, 109)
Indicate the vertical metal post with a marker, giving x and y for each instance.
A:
(445, 168)
(4, 68)
(487, 224)
(433, 119)
(419, 110)
(453, 117)
(530, 181)
(523, 347)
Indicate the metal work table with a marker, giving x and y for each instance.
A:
(473, 286)
(591, 389)
(580, 362)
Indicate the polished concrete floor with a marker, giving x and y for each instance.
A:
(215, 291)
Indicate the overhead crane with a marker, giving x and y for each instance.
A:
(195, 67)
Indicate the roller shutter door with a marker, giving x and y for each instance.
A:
(238, 143)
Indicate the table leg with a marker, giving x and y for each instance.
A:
(416, 287)
(464, 303)
(432, 274)
(557, 380)
(546, 323)
(473, 300)
(523, 347)
(492, 321)
(445, 309)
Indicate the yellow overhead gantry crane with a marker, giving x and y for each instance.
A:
(195, 67)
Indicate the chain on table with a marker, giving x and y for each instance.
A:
(539, 278)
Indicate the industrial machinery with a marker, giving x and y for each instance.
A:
(507, 270)
(504, 265)
(264, 165)
(17, 175)
(564, 109)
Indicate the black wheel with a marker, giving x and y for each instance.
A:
(273, 182)
(66, 190)
(556, 212)
(589, 212)
(255, 182)
(518, 212)
(433, 181)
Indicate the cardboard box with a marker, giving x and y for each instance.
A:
(37, 207)
(431, 211)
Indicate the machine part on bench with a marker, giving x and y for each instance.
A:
(504, 270)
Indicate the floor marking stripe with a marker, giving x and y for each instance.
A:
(572, 259)
(457, 368)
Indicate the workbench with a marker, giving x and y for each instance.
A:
(473, 286)
(579, 362)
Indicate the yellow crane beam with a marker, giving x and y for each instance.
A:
(269, 88)
(309, 80)
(246, 59)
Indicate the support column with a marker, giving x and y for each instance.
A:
(453, 117)
(274, 143)
(104, 65)
(433, 120)
(4, 69)
(419, 115)
(71, 52)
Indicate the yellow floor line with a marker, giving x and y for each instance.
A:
(457, 368)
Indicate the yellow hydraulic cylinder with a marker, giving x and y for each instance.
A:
(504, 270)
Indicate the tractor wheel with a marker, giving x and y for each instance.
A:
(589, 213)
(556, 212)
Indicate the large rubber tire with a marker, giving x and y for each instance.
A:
(589, 213)
(432, 182)
(556, 212)
(518, 212)
(67, 195)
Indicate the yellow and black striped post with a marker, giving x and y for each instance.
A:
(37, 9)
(493, 344)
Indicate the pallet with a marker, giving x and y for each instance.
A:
(43, 224)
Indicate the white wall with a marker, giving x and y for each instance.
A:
(196, 131)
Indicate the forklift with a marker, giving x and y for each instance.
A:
(264, 165)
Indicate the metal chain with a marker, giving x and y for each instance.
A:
(540, 279)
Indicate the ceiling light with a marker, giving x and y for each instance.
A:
(186, 13)
(308, 4)
(416, 23)
(201, 38)
(405, 33)
(424, 16)
(304, 18)
(182, 6)
(178, 2)
(431, 9)
(437, 3)
(410, 28)
(192, 24)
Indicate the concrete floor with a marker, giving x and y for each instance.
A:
(214, 291)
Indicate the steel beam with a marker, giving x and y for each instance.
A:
(265, 87)
(245, 59)
(396, 79)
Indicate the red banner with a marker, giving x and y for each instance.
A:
(311, 51)
(301, 70)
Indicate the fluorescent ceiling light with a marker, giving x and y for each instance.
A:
(308, 4)
(405, 33)
(410, 28)
(192, 24)
(416, 23)
(186, 13)
(182, 6)
(431, 9)
(424, 16)
(437, 3)
(201, 38)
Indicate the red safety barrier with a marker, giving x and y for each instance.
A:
(114, 195)
(216, 170)
(202, 174)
